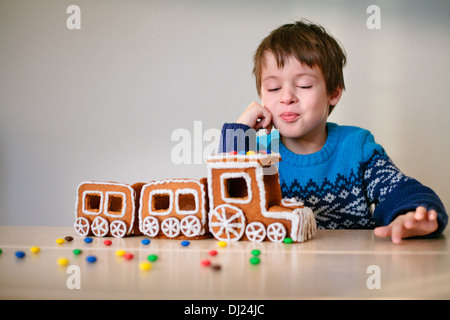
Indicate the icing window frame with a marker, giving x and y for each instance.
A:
(186, 191)
(114, 214)
(225, 177)
(86, 210)
(159, 192)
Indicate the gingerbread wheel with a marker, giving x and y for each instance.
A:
(150, 226)
(100, 227)
(171, 227)
(255, 231)
(227, 223)
(118, 229)
(82, 226)
(276, 232)
(190, 226)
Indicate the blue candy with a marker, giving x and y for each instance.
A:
(88, 240)
(185, 243)
(145, 241)
(91, 259)
(20, 254)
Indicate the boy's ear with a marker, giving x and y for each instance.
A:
(335, 96)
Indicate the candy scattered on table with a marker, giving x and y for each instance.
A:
(288, 240)
(222, 244)
(212, 253)
(120, 253)
(107, 242)
(91, 259)
(68, 238)
(128, 256)
(145, 266)
(256, 252)
(205, 262)
(152, 257)
(35, 249)
(88, 240)
(254, 260)
(145, 241)
(185, 243)
(216, 267)
(20, 254)
(60, 241)
(62, 261)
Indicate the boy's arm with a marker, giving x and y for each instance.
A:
(395, 194)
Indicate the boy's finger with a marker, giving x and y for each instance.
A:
(432, 215)
(421, 213)
(396, 235)
(382, 232)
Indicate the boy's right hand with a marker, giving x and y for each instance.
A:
(257, 117)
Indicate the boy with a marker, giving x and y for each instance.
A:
(337, 171)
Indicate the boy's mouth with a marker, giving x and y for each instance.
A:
(289, 116)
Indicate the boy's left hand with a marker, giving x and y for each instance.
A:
(414, 223)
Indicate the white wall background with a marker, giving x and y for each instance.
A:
(101, 103)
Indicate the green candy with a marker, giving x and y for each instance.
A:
(77, 252)
(254, 260)
(256, 252)
(287, 240)
(152, 257)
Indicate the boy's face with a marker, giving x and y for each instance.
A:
(296, 96)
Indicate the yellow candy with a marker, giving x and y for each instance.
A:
(222, 244)
(35, 249)
(60, 241)
(120, 253)
(145, 266)
(249, 153)
(63, 261)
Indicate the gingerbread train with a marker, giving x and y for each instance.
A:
(239, 200)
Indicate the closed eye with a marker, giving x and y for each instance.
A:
(273, 90)
(305, 87)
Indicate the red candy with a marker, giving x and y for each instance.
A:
(107, 242)
(128, 256)
(212, 253)
(205, 262)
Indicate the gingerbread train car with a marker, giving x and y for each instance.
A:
(239, 200)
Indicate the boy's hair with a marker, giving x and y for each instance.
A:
(308, 43)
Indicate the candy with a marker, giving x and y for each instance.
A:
(145, 266)
(120, 253)
(185, 243)
(216, 267)
(212, 252)
(128, 256)
(20, 254)
(205, 262)
(287, 240)
(88, 240)
(60, 241)
(91, 259)
(241, 153)
(107, 242)
(62, 261)
(1, 251)
(256, 252)
(249, 153)
(35, 249)
(233, 153)
(222, 244)
(77, 252)
(152, 257)
(68, 238)
(145, 241)
(254, 260)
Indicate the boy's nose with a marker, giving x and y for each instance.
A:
(288, 97)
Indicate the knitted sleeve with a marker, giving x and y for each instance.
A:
(237, 137)
(394, 193)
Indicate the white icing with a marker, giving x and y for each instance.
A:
(100, 227)
(118, 229)
(160, 212)
(233, 175)
(276, 232)
(190, 226)
(85, 210)
(255, 231)
(147, 226)
(171, 227)
(235, 225)
(103, 204)
(82, 226)
(113, 214)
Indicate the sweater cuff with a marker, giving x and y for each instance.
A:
(408, 199)
(237, 137)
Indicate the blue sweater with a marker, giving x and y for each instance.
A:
(344, 179)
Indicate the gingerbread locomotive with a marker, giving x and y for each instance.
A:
(239, 200)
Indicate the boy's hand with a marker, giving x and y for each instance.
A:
(257, 117)
(414, 223)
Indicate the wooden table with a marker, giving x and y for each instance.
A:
(336, 264)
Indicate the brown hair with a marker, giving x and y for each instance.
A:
(308, 43)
